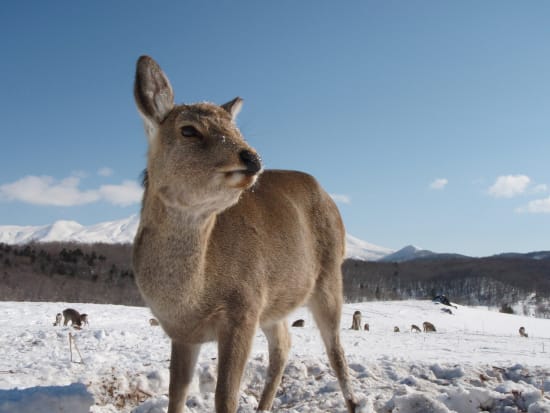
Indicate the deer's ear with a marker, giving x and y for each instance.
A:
(233, 107)
(153, 93)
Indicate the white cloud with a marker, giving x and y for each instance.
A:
(508, 186)
(45, 190)
(105, 171)
(538, 206)
(439, 183)
(127, 193)
(539, 189)
(341, 199)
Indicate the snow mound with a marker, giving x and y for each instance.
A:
(47, 399)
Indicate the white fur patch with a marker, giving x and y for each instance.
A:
(235, 178)
(164, 102)
(236, 109)
(150, 129)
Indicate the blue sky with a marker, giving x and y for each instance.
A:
(429, 121)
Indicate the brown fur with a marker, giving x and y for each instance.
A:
(356, 322)
(415, 328)
(367, 327)
(396, 329)
(428, 327)
(70, 314)
(215, 259)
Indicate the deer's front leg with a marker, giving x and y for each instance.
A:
(234, 343)
(182, 366)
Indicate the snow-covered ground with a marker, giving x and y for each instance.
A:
(476, 361)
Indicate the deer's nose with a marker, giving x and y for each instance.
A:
(251, 161)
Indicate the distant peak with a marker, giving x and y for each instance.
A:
(411, 248)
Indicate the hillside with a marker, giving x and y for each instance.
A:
(493, 281)
(93, 273)
(102, 273)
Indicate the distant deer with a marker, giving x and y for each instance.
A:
(153, 322)
(414, 328)
(356, 321)
(428, 327)
(84, 319)
(367, 327)
(522, 332)
(396, 329)
(298, 323)
(73, 316)
(58, 318)
(214, 259)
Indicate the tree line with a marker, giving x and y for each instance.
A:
(492, 281)
(56, 271)
(102, 273)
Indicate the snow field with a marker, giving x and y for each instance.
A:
(476, 361)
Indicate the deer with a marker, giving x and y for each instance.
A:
(415, 328)
(396, 329)
(70, 314)
(356, 321)
(428, 327)
(58, 318)
(220, 240)
(522, 332)
(84, 319)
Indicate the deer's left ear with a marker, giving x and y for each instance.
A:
(233, 107)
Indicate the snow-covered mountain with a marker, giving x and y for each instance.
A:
(410, 252)
(111, 232)
(362, 250)
(124, 230)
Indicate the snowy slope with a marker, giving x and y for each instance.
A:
(124, 230)
(121, 231)
(363, 250)
(410, 252)
(476, 361)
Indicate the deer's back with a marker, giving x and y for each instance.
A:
(71, 313)
(287, 212)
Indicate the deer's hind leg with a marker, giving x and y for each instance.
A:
(326, 306)
(278, 340)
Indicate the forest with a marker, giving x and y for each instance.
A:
(102, 273)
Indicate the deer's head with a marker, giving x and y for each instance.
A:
(197, 158)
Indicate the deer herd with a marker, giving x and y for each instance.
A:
(426, 325)
(69, 314)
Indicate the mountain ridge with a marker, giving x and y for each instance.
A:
(122, 231)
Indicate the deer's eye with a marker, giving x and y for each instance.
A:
(190, 132)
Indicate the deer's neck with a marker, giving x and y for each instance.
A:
(170, 254)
